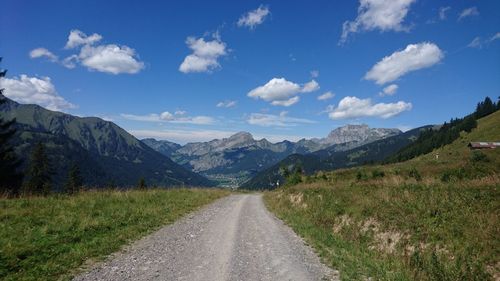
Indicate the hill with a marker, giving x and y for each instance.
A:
(106, 154)
(433, 217)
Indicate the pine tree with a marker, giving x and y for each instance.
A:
(39, 172)
(10, 178)
(142, 184)
(75, 180)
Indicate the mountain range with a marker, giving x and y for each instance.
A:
(107, 154)
(233, 160)
(332, 158)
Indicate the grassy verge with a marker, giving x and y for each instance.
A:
(412, 231)
(47, 238)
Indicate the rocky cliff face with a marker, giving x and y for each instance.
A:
(357, 133)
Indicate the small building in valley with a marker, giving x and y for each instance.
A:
(483, 145)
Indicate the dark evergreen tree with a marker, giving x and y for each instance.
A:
(10, 178)
(39, 172)
(75, 180)
(142, 184)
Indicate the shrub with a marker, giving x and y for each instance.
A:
(378, 174)
(478, 156)
(415, 174)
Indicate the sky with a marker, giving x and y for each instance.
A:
(189, 71)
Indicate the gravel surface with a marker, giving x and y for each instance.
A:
(235, 238)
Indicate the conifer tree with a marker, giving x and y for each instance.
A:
(142, 184)
(10, 178)
(39, 172)
(74, 181)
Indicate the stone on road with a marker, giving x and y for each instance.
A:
(235, 238)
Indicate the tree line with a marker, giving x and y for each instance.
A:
(431, 139)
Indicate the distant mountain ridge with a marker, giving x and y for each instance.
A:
(106, 153)
(240, 156)
(331, 158)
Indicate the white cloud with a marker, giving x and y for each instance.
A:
(42, 52)
(70, 62)
(110, 59)
(177, 118)
(479, 43)
(377, 14)
(326, 96)
(469, 12)
(310, 87)
(254, 17)
(77, 38)
(353, 107)
(227, 104)
(279, 91)
(33, 90)
(389, 90)
(281, 120)
(288, 102)
(443, 11)
(205, 55)
(475, 43)
(314, 73)
(413, 57)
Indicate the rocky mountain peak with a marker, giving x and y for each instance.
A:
(357, 133)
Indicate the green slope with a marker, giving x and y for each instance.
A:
(106, 153)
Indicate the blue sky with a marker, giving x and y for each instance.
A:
(160, 69)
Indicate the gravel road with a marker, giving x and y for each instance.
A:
(235, 238)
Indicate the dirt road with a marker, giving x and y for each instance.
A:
(235, 238)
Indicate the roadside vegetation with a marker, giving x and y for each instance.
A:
(49, 238)
(434, 217)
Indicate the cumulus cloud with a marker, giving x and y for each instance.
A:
(254, 17)
(205, 55)
(389, 90)
(469, 12)
(70, 62)
(42, 52)
(353, 107)
(288, 102)
(279, 91)
(326, 96)
(110, 58)
(33, 90)
(443, 11)
(310, 87)
(226, 104)
(77, 38)
(377, 14)
(413, 57)
(179, 117)
(281, 120)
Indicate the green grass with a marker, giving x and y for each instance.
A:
(49, 238)
(423, 219)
